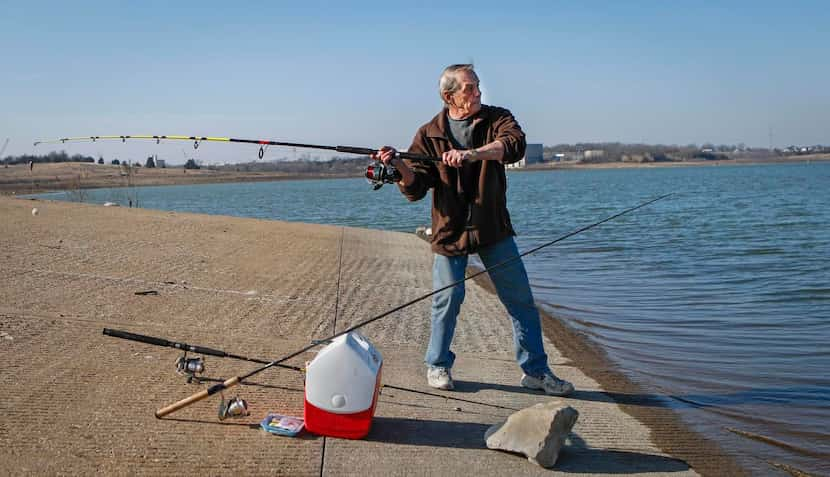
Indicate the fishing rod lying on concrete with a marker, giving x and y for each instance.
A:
(377, 173)
(193, 367)
(217, 388)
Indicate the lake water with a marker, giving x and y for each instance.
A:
(718, 296)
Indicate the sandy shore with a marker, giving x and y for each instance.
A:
(18, 179)
(77, 402)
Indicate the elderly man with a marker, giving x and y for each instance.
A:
(469, 215)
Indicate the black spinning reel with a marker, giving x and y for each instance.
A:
(378, 173)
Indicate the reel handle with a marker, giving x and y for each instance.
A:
(197, 397)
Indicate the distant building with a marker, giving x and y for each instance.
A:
(533, 155)
(160, 163)
(593, 154)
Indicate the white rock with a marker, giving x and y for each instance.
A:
(34, 211)
(537, 432)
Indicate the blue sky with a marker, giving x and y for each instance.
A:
(365, 73)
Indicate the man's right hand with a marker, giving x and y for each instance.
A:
(388, 154)
(385, 155)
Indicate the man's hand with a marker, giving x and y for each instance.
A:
(454, 157)
(388, 155)
(385, 155)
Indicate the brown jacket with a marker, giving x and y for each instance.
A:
(469, 204)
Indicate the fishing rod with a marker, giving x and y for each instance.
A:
(377, 173)
(189, 367)
(238, 379)
(192, 368)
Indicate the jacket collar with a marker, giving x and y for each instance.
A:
(440, 125)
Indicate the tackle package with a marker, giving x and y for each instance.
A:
(282, 425)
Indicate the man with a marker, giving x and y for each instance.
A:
(469, 215)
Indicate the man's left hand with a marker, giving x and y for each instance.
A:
(454, 157)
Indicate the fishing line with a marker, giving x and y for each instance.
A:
(237, 379)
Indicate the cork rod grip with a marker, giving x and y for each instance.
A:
(197, 397)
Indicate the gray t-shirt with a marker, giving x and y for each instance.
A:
(461, 133)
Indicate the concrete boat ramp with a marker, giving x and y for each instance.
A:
(76, 402)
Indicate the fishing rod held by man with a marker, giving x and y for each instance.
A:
(377, 173)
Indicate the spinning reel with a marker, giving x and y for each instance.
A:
(191, 368)
(233, 408)
(378, 173)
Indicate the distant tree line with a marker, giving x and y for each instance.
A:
(51, 157)
(335, 166)
(620, 152)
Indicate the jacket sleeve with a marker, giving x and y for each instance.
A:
(509, 133)
(425, 173)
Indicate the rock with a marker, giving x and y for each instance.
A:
(538, 432)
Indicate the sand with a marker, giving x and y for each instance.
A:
(18, 179)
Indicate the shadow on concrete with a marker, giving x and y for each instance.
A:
(421, 432)
(303, 435)
(575, 457)
(578, 458)
(602, 461)
(475, 386)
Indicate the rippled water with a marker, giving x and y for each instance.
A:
(718, 296)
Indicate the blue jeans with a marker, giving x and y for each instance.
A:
(514, 292)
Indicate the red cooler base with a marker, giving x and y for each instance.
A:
(347, 426)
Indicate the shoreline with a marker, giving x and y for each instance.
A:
(68, 176)
(669, 433)
(805, 159)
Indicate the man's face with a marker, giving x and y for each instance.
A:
(467, 100)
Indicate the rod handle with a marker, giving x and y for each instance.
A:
(403, 155)
(136, 337)
(197, 397)
(418, 157)
(163, 342)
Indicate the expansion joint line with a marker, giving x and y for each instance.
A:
(334, 326)
(339, 276)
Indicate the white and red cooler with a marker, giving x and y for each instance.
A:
(341, 388)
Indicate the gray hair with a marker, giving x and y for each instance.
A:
(449, 80)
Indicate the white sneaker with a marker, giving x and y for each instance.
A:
(549, 383)
(439, 378)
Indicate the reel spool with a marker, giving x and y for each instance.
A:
(378, 173)
(233, 408)
(190, 367)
